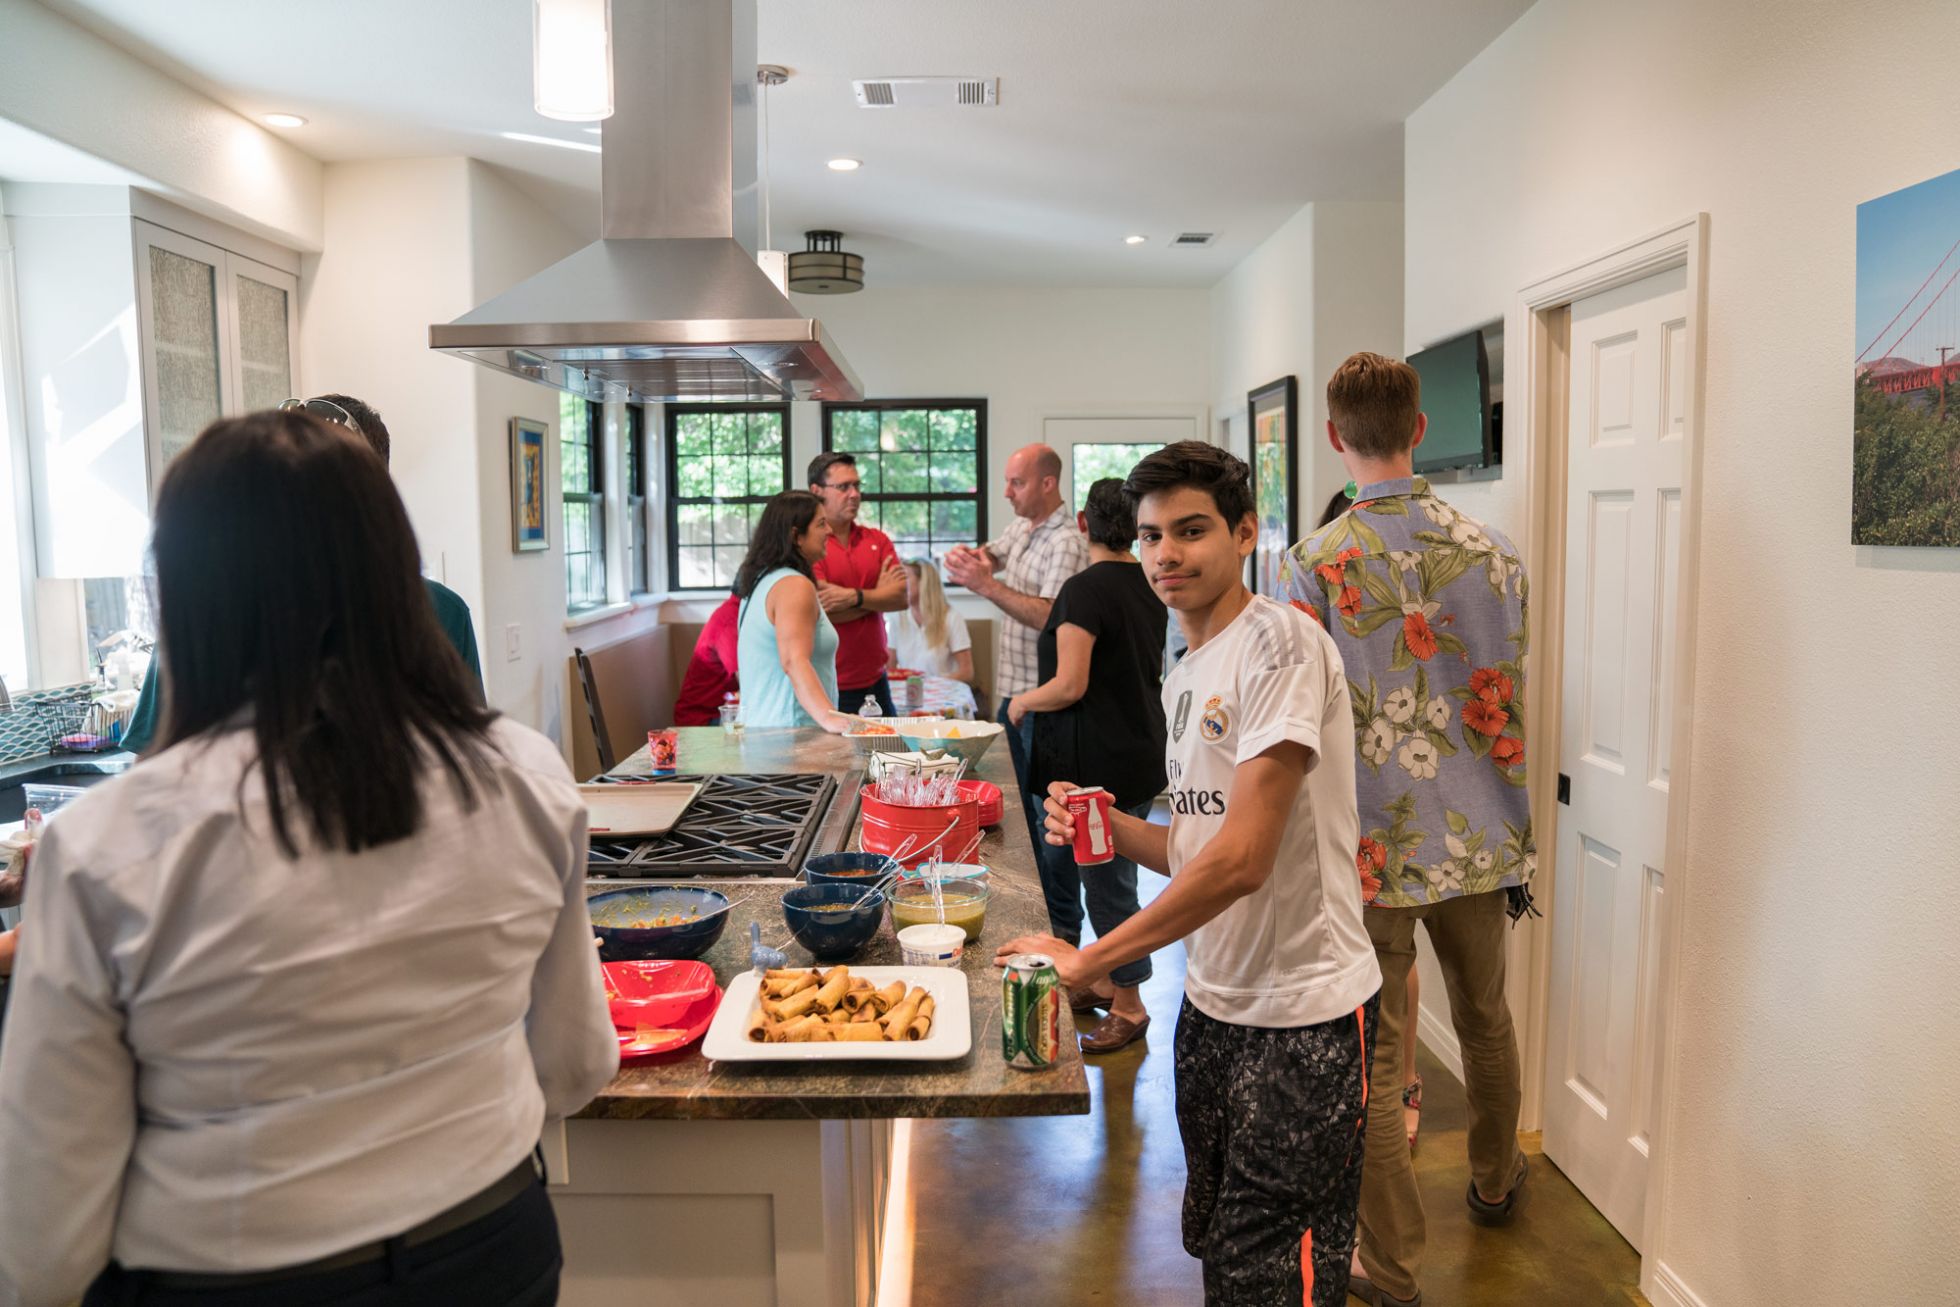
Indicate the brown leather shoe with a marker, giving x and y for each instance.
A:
(1114, 1032)
(1087, 1002)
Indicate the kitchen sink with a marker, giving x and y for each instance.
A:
(81, 772)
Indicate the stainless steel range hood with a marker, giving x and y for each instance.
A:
(667, 305)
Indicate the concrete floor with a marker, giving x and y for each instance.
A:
(1066, 1211)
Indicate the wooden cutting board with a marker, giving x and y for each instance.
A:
(637, 810)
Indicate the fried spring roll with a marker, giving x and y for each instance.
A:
(921, 1025)
(867, 1013)
(786, 973)
(758, 1029)
(836, 1017)
(900, 1017)
(859, 994)
(835, 986)
(889, 997)
(789, 985)
(855, 1032)
(787, 1009)
(804, 1030)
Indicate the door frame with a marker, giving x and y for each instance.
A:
(1540, 321)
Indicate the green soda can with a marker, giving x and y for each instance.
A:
(1030, 1011)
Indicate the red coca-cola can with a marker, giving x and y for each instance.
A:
(1095, 840)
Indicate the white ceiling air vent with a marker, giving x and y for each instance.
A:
(927, 92)
(1193, 240)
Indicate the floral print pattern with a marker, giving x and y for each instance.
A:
(1427, 606)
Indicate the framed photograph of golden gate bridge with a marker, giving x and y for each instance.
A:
(1905, 442)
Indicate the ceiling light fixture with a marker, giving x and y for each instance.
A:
(1135, 240)
(571, 59)
(285, 120)
(550, 140)
(846, 165)
(826, 268)
(772, 261)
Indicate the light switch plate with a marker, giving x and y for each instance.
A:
(513, 642)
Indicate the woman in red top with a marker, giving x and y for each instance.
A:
(710, 676)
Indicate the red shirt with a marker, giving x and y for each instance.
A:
(857, 562)
(710, 672)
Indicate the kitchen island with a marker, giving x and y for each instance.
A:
(689, 1182)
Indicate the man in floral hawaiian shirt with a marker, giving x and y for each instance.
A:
(1427, 607)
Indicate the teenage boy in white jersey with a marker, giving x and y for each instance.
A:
(1280, 982)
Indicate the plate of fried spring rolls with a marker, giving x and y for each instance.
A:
(843, 1013)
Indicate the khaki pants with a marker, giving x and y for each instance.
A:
(1467, 934)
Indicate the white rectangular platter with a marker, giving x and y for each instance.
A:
(951, 1037)
(617, 811)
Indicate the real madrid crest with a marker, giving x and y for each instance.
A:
(1215, 722)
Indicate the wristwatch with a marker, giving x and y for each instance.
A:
(860, 594)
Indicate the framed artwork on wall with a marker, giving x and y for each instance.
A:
(1905, 427)
(1273, 417)
(527, 482)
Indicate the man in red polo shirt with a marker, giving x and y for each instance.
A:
(858, 578)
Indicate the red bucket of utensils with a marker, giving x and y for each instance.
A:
(916, 819)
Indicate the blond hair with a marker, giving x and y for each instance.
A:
(932, 601)
(1373, 403)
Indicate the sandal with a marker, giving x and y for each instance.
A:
(1412, 1108)
(1087, 1002)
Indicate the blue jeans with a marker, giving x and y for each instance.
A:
(1110, 887)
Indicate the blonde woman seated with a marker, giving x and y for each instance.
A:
(928, 636)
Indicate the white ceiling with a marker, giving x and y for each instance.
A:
(1115, 116)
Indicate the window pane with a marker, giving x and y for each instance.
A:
(766, 433)
(733, 523)
(955, 520)
(728, 558)
(691, 434)
(855, 430)
(694, 524)
(955, 428)
(731, 433)
(955, 473)
(871, 474)
(903, 428)
(905, 474)
(697, 568)
(731, 480)
(694, 478)
(578, 519)
(765, 476)
(905, 517)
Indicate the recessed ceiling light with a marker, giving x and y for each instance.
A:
(587, 146)
(285, 120)
(1135, 240)
(846, 165)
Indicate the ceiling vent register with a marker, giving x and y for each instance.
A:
(927, 92)
(1193, 240)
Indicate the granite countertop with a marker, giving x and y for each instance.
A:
(685, 1085)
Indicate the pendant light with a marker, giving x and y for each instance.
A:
(571, 59)
(772, 261)
(825, 268)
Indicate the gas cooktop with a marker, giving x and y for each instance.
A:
(739, 825)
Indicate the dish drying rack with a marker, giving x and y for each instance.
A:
(59, 715)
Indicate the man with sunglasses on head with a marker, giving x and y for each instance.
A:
(858, 580)
(452, 614)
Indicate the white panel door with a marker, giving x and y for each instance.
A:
(1623, 522)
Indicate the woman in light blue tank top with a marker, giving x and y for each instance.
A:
(785, 643)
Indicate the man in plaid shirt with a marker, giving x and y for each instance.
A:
(1021, 573)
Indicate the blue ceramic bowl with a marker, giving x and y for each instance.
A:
(846, 868)
(617, 914)
(832, 936)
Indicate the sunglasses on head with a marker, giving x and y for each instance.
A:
(323, 408)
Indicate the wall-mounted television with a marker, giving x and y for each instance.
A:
(1456, 396)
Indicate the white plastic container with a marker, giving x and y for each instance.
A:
(933, 944)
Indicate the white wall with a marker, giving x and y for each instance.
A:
(70, 85)
(1327, 283)
(1813, 1139)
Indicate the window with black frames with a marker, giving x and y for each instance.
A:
(581, 478)
(724, 462)
(922, 462)
(638, 566)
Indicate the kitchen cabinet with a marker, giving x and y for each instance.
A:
(141, 323)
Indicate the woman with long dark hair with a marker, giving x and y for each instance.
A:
(297, 995)
(786, 645)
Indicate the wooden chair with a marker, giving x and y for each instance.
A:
(588, 685)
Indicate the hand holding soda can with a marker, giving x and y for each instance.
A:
(1095, 838)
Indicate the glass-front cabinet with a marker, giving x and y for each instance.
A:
(218, 333)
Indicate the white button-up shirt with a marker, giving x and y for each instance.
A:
(219, 1058)
(1035, 558)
